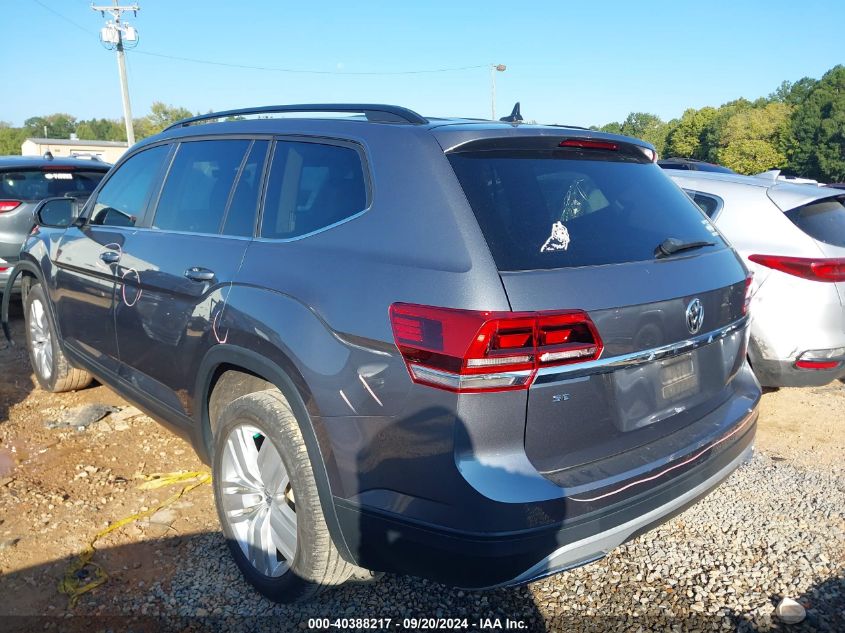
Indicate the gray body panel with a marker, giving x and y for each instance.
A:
(311, 314)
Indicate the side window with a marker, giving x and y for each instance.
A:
(709, 204)
(123, 198)
(243, 208)
(311, 186)
(197, 188)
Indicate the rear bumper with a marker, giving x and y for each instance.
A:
(389, 542)
(783, 373)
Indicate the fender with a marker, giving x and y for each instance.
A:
(294, 389)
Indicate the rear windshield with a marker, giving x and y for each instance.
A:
(539, 210)
(823, 220)
(36, 184)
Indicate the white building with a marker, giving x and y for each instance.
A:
(108, 151)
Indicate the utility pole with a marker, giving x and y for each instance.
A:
(494, 68)
(116, 34)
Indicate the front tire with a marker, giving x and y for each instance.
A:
(49, 363)
(267, 501)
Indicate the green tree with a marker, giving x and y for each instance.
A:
(11, 139)
(161, 115)
(58, 125)
(101, 130)
(685, 137)
(713, 136)
(648, 127)
(818, 128)
(753, 140)
(611, 128)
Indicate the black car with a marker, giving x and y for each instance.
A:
(692, 164)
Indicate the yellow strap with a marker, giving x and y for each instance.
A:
(71, 584)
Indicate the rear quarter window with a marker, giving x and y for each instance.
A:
(544, 210)
(311, 186)
(711, 205)
(823, 220)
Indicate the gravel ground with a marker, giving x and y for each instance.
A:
(722, 565)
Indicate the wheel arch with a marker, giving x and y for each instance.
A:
(28, 270)
(258, 372)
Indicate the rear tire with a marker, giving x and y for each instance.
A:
(267, 501)
(49, 363)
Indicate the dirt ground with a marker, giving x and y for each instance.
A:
(59, 487)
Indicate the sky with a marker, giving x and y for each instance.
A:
(579, 63)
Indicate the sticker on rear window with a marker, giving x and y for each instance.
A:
(59, 176)
(558, 240)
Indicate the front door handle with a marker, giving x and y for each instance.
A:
(199, 274)
(110, 257)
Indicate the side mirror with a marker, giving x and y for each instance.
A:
(56, 213)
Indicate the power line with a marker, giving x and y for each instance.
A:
(312, 72)
(299, 71)
(65, 18)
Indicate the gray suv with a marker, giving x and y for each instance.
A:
(473, 351)
(27, 180)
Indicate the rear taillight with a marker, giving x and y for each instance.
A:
(8, 205)
(821, 358)
(472, 351)
(749, 278)
(804, 267)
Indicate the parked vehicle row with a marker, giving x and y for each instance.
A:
(478, 352)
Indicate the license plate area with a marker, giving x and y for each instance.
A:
(678, 377)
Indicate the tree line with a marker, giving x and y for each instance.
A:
(61, 125)
(799, 128)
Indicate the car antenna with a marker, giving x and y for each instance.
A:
(514, 117)
(48, 155)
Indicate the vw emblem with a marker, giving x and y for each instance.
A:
(695, 316)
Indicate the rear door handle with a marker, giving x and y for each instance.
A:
(110, 257)
(199, 274)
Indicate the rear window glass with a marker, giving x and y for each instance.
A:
(38, 184)
(539, 210)
(823, 220)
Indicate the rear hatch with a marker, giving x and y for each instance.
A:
(578, 224)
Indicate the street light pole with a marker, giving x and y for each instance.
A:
(494, 68)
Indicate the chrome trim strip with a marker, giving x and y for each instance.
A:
(457, 380)
(602, 365)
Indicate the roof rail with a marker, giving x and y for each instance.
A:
(374, 112)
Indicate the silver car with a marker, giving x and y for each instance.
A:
(792, 237)
(24, 182)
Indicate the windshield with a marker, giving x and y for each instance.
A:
(37, 184)
(823, 220)
(540, 211)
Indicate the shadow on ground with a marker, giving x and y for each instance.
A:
(189, 583)
(15, 371)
